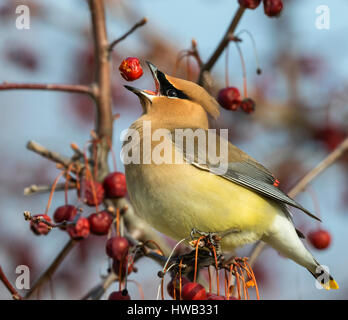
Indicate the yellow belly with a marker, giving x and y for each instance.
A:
(176, 198)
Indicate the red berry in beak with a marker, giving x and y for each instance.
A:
(249, 4)
(320, 239)
(64, 213)
(80, 230)
(119, 295)
(115, 185)
(248, 105)
(89, 193)
(272, 7)
(131, 69)
(100, 223)
(117, 247)
(40, 228)
(193, 291)
(229, 98)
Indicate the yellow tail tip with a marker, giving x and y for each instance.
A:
(332, 284)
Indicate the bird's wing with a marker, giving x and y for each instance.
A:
(233, 164)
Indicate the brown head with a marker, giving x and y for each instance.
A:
(177, 103)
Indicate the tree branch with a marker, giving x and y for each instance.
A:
(8, 285)
(104, 119)
(51, 155)
(51, 87)
(136, 26)
(52, 268)
(302, 184)
(222, 45)
(47, 188)
(97, 292)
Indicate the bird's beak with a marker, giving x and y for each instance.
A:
(154, 71)
(147, 94)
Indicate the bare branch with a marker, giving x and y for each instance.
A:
(52, 268)
(33, 189)
(328, 161)
(104, 119)
(136, 26)
(98, 291)
(51, 155)
(51, 87)
(222, 45)
(8, 285)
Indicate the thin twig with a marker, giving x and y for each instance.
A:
(46, 153)
(222, 45)
(33, 189)
(136, 26)
(301, 185)
(72, 88)
(47, 275)
(8, 285)
(98, 291)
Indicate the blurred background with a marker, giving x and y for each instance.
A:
(301, 115)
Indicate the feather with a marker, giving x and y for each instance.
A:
(240, 169)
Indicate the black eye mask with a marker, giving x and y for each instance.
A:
(167, 89)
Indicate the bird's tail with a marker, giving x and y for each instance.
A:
(322, 275)
(285, 240)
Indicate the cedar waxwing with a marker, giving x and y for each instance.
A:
(243, 203)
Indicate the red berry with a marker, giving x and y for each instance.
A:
(40, 228)
(320, 239)
(117, 247)
(193, 291)
(89, 194)
(23, 57)
(249, 4)
(80, 230)
(119, 295)
(229, 98)
(116, 265)
(64, 213)
(115, 185)
(175, 283)
(248, 105)
(100, 222)
(131, 69)
(331, 135)
(212, 296)
(272, 7)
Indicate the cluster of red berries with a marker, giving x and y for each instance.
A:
(229, 98)
(319, 239)
(191, 291)
(98, 223)
(272, 8)
(117, 248)
(131, 69)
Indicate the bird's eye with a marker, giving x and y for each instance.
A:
(171, 93)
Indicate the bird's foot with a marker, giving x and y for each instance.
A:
(207, 239)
